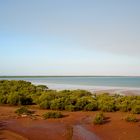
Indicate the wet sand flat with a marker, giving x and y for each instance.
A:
(75, 126)
(9, 135)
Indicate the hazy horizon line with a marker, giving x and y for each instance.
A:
(69, 76)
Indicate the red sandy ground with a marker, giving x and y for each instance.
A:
(74, 126)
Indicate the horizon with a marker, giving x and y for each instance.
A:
(70, 38)
(69, 76)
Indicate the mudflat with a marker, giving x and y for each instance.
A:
(73, 126)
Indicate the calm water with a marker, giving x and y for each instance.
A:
(110, 81)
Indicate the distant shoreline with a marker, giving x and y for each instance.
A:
(93, 89)
(124, 85)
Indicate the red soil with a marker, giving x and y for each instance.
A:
(74, 126)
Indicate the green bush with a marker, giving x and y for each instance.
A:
(136, 109)
(16, 92)
(108, 107)
(70, 100)
(45, 105)
(3, 99)
(80, 93)
(15, 98)
(47, 96)
(131, 118)
(91, 106)
(63, 93)
(48, 115)
(57, 104)
(23, 111)
(99, 118)
(41, 87)
(70, 108)
(106, 103)
(124, 106)
(82, 102)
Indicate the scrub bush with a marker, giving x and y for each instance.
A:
(48, 115)
(99, 119)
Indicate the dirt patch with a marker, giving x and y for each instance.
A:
(75, 126)
(117, 128)
(9, 135)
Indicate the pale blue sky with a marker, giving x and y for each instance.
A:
(69, 37)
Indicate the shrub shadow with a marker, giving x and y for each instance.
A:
(106, 120)
(64, 116)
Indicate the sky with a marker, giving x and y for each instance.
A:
(70, 37)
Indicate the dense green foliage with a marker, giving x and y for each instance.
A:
(99, 118)
(55, 114)
(19, 92)
(24, 93)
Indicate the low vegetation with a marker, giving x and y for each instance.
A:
(99, 118)
(131, 118)
(23, 111)
(25, 93)
(55, 114)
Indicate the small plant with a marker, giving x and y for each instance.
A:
(23, 111)
(55, 114)
(99, 118)
(131, 118)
